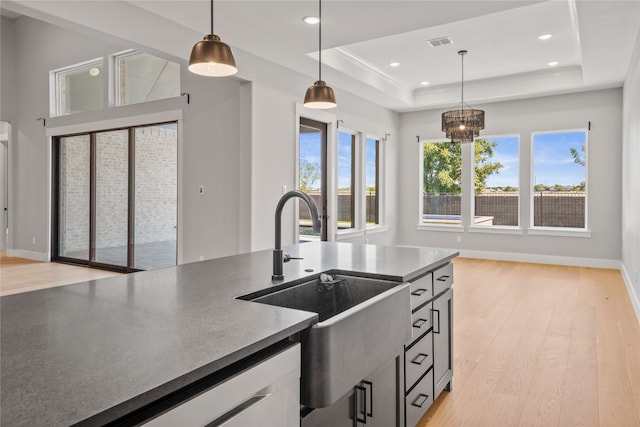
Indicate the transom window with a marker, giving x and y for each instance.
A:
(141, 77)
(77, 88)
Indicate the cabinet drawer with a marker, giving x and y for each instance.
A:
(421, 290)
(421, 321)
(418, 359)
(442, 279)
(419, 400)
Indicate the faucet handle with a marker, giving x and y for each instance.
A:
(288, 258)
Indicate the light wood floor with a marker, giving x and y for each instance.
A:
(541, 345)
(23, 275)
(534, 344)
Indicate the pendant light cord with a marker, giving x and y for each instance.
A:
(462, 85)
(320, 40)
(211, 17)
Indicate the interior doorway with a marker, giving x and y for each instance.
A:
(5, 130)
(312, 172)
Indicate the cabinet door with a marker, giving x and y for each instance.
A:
(372, 403)
(442, 342)
(339, 414)
(383, 389)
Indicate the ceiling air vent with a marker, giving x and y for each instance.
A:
(440, 41)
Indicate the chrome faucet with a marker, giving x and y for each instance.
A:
(315, 222)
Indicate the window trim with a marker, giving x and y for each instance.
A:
(380, 226)
(55, 100)
(356, 228)
(114, 80)
(559, 231)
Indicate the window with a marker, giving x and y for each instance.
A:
(372, 181)
(140, 77)
(496, 181)
(312, 174)
(78, 88)
(559, 179)
(346, 180)
(441, 178)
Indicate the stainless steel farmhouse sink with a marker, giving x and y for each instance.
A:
(363, 323)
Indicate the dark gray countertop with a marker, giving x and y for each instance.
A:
(98, 350)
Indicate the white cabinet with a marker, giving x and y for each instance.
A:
(266, 393)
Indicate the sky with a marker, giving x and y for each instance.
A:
(552, 160)
(310, 151)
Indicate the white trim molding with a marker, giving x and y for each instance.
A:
(542, 259)
(21, 253)
(633, 296)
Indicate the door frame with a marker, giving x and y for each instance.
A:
(331, 171)
(113, 124)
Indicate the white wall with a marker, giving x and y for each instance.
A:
(237, 139)
(574, 111)
(273, 149)
(631, 179)
(208, 145)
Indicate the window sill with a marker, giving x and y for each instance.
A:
(441, 227)
(374, 229)
(496, 229)
(348, 234)
(560, 232)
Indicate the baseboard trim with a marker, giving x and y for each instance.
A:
(542, 259)
(21, 253)
(633, 295)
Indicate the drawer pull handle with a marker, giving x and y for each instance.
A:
(356, 409)
(418, 323)
(418, 292)
(369, 407)
(434, 328)
(243, 407)
(419, 358)
(419, 401)
(443, 278)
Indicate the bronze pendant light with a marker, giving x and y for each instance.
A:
(462, 124)
(211, 57)
(320, 95)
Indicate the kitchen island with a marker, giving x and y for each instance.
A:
(96, 351)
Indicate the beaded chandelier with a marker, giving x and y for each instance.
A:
(462, 124)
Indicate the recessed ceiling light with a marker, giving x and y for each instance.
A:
(424, 83)
(94, 71)
(545, 37)
(311, 20)
(394, 64)
(553, 63)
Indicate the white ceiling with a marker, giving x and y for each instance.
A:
(592, 41)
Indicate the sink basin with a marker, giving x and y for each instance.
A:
(363, 324)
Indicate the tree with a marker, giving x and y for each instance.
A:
(539, 187)
(443, 166)
(309, 175)
(577, 156)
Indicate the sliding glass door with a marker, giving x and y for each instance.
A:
(115, 203)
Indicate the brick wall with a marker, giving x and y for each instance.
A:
(155, 190)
